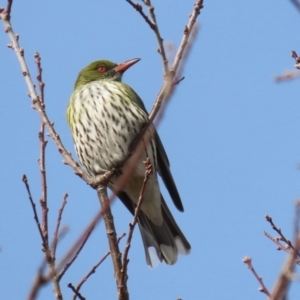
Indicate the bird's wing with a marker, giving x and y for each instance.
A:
(162, 159)
(165, 173)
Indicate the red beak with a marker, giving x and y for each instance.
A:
(122, 67)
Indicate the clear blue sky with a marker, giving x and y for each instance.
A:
(231, 133)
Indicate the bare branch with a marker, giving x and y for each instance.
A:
(175, 73)
(276, 241)
(55, 237)
(248, 261)
(112, 241)
(76, 292)
(285, 248)
(139, 8)
(154, 26)
(94, 268)
(160, 41)
(36, 218)
(50, 258)
(133, 223)
(39, 76)
(282, 285)
(42, 161)
(41, 280)
(188, 30)
(78, 250)
(43, 228)
(278, 230)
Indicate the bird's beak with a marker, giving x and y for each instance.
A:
(122, 67)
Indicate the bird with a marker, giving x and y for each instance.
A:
(105, 115)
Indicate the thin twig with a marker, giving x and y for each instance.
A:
(77, 293)
(285, 248)
(133, 223)
(50, 258)
(73, 250)
(94, 268)
(36, 218)
(139, 8)
(188, 30)
(55, 237)
(42, 160)
(168, 88)
(160, 41)
(154, 26)
(278, 230)
(282, 285)
(276, 241)
(39, 76)
(248, 261)
(41, 279)
(82, 243)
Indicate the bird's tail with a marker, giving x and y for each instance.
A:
(165, 241)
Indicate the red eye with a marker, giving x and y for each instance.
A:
(101, 69)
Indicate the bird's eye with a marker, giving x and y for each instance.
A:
(101, 69)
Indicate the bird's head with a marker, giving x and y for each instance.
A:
(103, 70)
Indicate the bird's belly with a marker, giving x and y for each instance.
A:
(105, 130)
(100, 150)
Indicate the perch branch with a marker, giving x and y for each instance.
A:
(112, 240)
